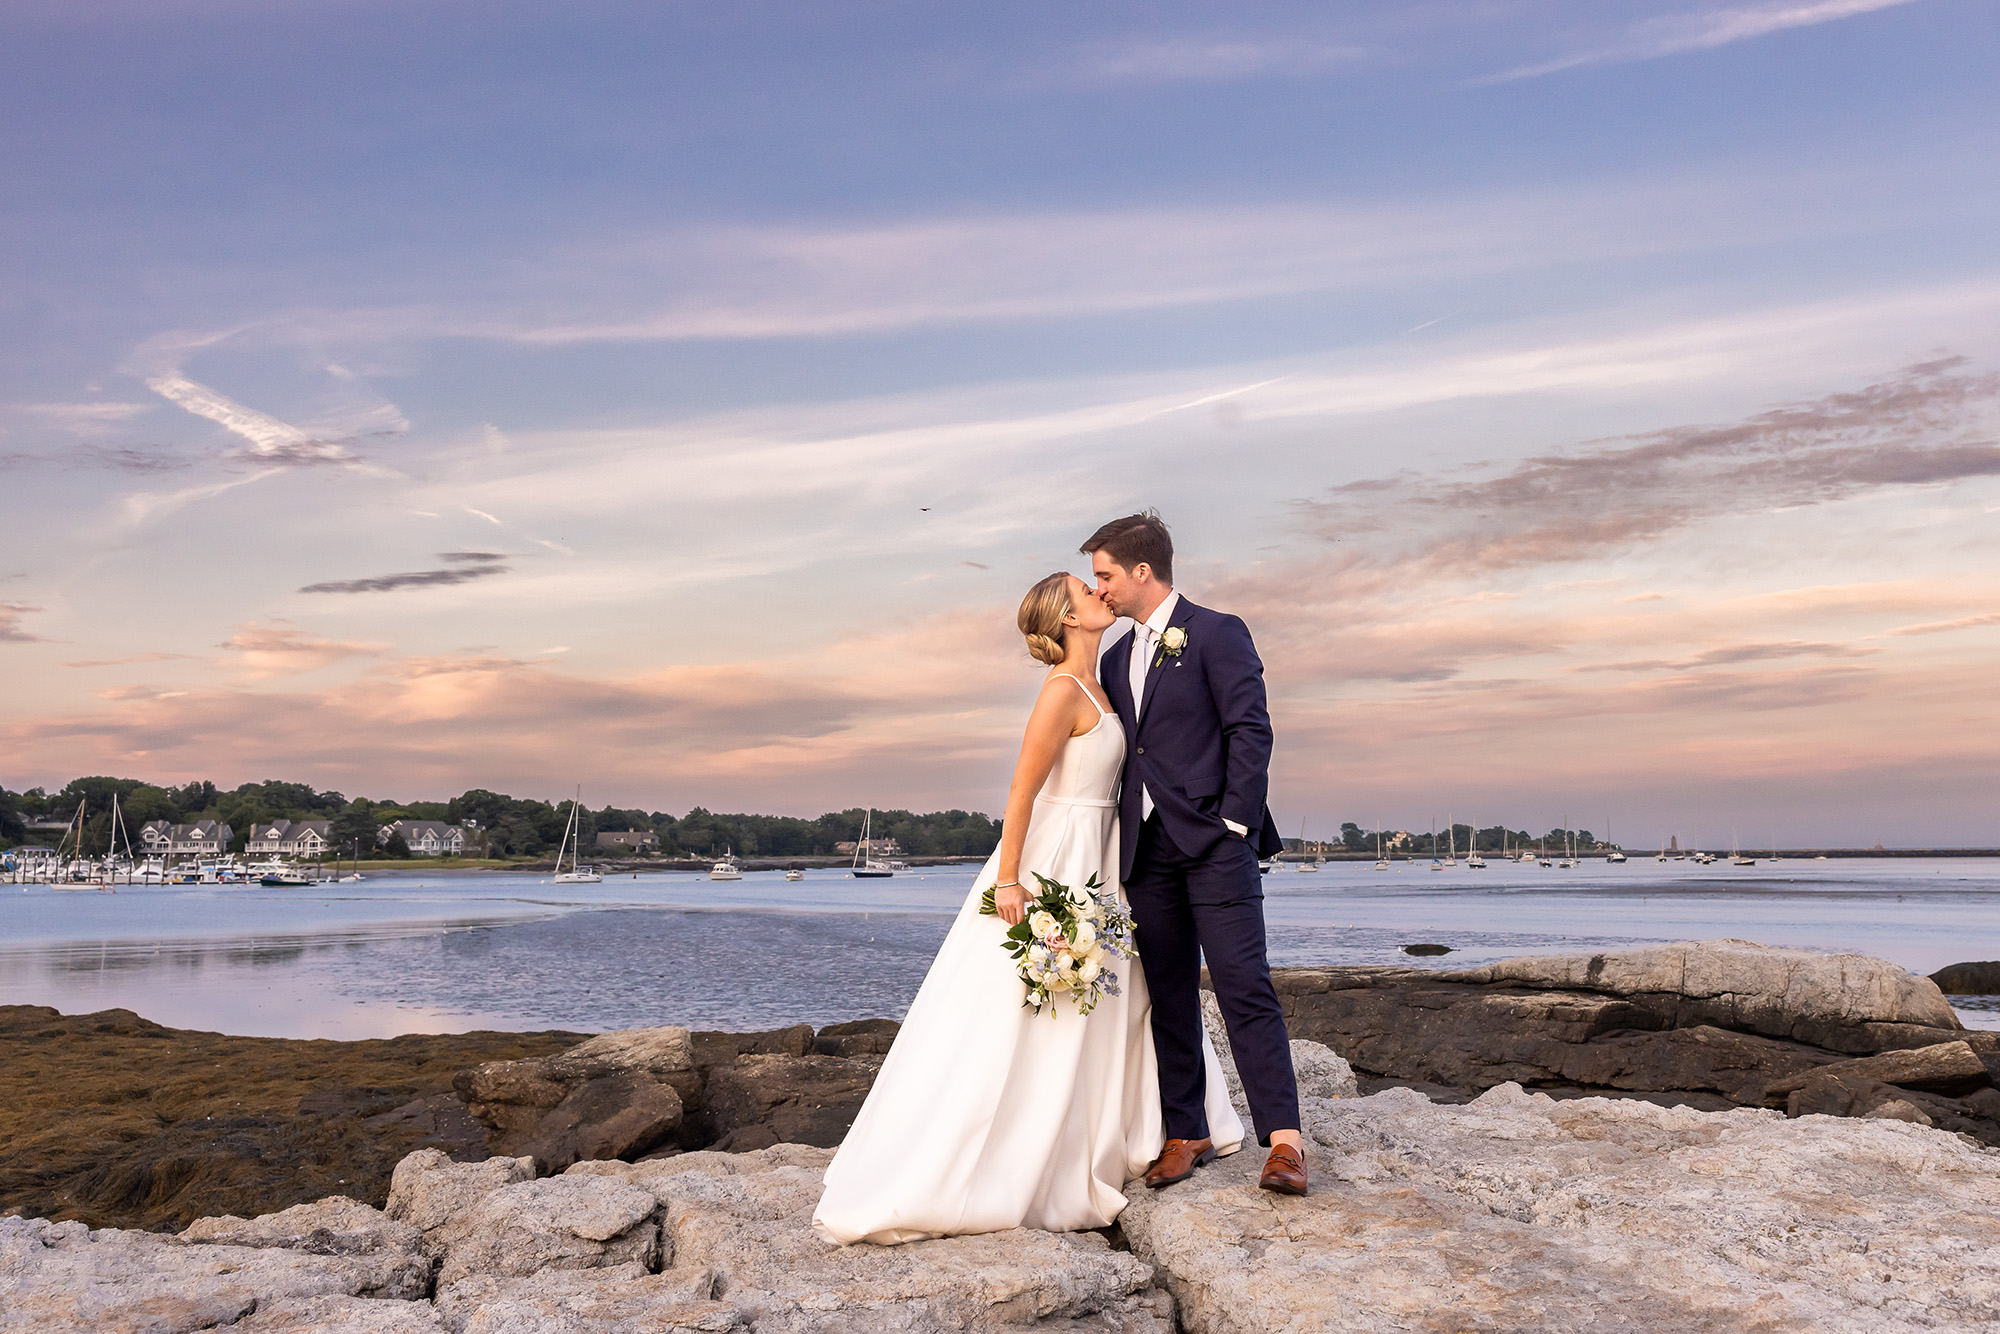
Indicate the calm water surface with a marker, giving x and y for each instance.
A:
(444, 952)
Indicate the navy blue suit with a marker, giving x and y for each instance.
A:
(1200, 742)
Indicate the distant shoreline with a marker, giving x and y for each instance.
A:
(1634, 854)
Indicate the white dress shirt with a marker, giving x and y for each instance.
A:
(1145, 645)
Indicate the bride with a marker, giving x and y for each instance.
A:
(986, 1115)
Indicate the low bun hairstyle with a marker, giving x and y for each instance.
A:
(1041, 618)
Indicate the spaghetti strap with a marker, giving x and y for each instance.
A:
(1102, 712)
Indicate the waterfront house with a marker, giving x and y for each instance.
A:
(426, 838)
(203, 838)
(631, 840)
(306, 839)
(873, 847)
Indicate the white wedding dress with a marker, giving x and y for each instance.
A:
(987, 1116)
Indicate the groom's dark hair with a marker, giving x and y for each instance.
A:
(1135, 540)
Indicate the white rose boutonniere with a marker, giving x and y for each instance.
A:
(1172, 640)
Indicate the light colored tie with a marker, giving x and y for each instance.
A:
(1143, 640)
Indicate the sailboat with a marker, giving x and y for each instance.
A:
(1381, 863)
(1736, 856)
(1616, 856)
(1472, 857)
(1568, 862)
(107, 878)
(1305, 867)
(572, 844)
(868, 869)
(1450, 842)
(1436, 865)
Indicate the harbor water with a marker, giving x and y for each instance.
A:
(440, 951)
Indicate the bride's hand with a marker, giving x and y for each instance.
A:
(1011, 902)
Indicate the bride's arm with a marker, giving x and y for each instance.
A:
(1049, 727)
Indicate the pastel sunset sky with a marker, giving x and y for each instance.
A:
(1592, 408)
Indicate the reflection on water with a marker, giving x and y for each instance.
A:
(434, 953)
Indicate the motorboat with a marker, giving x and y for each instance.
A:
(726, 869)
(794, 873)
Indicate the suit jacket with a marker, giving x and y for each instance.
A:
(1199, 740)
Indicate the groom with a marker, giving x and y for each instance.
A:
(1189, 688)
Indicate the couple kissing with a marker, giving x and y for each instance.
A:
(1143, 772)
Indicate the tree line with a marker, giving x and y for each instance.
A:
(508, 826)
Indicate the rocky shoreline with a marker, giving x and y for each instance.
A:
(1789, 1141)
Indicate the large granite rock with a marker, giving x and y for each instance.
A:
(65, 1277)
(1947, 1067)
(342, 1315)
(1519, 1211)
(623, 1299)
(429, 1190)
(616, 1095)
(1578, 1025)
(756, 1101)
(1845, 1002)
(555, 1223)
(1969, 979)
(494, 1218)
(745, 1220)
(333, 1226)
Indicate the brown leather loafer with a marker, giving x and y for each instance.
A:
(1178, 1160)
(1285, 1171)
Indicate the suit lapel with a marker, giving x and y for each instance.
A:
(1161, 663)
(1114, 673)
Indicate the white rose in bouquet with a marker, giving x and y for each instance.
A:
(1038, 954)
(1089, 971)
(1043, 924)
(1086, 936)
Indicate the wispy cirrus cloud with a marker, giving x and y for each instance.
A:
(11, 629)
(1919, 426)
(1943, 627)
(761, 281)
(132, 660)
(1702, 29)
(464, 567)
(1734, 655)
(269, 438)
(281, 649)
(1202, 59)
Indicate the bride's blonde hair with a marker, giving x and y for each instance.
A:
(1041, 618)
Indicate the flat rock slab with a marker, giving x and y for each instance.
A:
(64, 1277)
(1849, 1002)
(745, 1222)
(342, 1315)
(620, 1300)
(1518, 1211)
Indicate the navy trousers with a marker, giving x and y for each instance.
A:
(1185, 908)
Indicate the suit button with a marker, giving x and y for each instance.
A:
(1142, 750)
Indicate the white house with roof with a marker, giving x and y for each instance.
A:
(427, 838)
(203, 838)
(289, 838)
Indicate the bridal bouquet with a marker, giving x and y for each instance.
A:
(1064, 941)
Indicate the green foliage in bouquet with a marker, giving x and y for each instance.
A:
(1064, 942)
